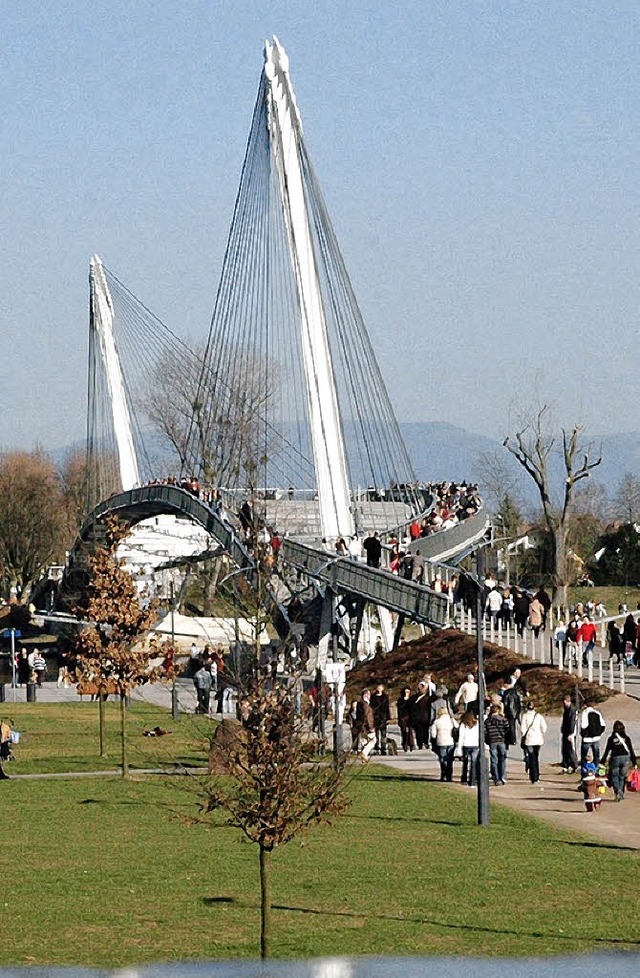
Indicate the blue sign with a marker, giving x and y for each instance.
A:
(9, 631)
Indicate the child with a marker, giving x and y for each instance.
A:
(5, 747)
(592, 786)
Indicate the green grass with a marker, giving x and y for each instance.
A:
(108, 873)
(65, 737)
(610, 596)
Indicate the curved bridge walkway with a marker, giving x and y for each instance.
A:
(416, 602)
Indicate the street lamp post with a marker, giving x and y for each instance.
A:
(175, 706)
(484, 817)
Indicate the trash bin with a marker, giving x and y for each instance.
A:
(2, 693)
(31, 692)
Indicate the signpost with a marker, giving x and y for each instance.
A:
(13, 633)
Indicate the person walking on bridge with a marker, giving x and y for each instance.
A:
(373, 549)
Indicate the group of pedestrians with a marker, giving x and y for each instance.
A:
(208, 674)
(428, 717)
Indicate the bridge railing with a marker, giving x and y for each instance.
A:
(160, 497)
(542, 648)
(446, 543)
(343, 574)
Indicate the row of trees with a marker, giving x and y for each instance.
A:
(41, 509)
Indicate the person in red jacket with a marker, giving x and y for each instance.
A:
(587, 635)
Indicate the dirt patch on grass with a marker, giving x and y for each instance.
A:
(449, 655)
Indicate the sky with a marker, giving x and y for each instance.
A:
(478, 160)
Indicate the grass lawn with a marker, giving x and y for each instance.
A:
(64, 737)
(108, 873)
(610, 596)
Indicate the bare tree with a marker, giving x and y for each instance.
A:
(113, 651)
(627, 499)
(210, 428)
(533, 446)
(497, 477)
(74, 484)
(31, 518)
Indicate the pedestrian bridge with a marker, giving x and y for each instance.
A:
(343, 575)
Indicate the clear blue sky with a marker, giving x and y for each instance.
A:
(479, 161)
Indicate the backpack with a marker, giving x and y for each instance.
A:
(595, 725)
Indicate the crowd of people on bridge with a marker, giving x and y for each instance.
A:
(453, 502)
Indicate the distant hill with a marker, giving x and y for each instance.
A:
(441, 451)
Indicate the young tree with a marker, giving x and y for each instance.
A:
(274, 787)
(113, 652)
(534, 445)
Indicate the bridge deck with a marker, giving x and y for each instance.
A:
(380, 587)
(415, 601)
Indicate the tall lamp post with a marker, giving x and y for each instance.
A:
(175, 707)
(484, 817)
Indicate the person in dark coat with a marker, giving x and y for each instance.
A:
(420, 714)
(629, 631)
(497, 736)
(404, 720)
(381, 716)
(520, 611)
(373, 549)
(24, 669)
(615, 642)
(623, 758)
(568, 733)
(512, 706)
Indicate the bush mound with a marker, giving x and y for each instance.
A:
(450, 654)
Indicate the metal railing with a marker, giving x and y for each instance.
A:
(343, 574)
(542, 648)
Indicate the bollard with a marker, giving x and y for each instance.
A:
(31, 692)
(2, 693)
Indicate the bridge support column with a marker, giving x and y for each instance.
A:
(397, 635)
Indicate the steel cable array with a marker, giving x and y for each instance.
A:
(235, 412)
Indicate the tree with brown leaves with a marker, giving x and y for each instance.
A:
(273, 787)
(31, 519)
(113, 650)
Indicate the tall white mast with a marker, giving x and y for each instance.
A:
(285, 131)
(102, 324)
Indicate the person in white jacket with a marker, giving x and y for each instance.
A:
(534, 727)
(468, 747)
(441, 733)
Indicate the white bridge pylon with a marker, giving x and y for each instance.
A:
(285, 131)
(101, 325)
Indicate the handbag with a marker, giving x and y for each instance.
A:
(633, 779)
(524, 735)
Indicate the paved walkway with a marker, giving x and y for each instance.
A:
(554, 799)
